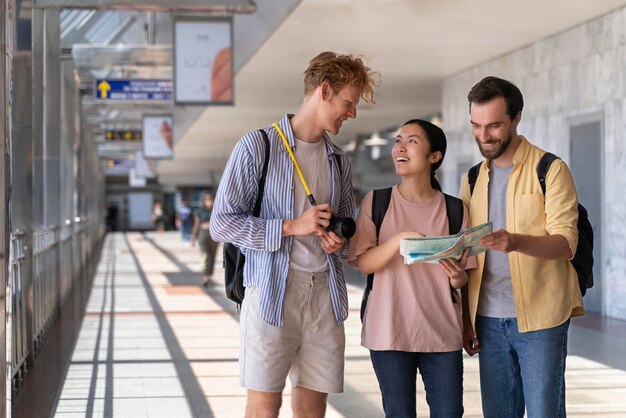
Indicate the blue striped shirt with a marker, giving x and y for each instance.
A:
(260, 239)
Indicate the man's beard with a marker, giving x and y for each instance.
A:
(496, 153)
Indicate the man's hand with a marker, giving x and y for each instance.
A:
(500, 240)
(331, 242)
(549, 247)
(470, 342)
(313, 221)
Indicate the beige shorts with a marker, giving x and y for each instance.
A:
(309, 347)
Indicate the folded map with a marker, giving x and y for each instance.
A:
(433, 249)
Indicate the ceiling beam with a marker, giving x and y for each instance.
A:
(206, 6)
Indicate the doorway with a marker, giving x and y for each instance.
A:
(586, 145)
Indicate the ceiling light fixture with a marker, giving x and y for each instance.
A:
(376, 142)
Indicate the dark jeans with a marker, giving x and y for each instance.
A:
(442, 374)
(186, 231)
(521, 369)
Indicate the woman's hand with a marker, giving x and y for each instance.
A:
(456, 270)
(408, 234)
(379, 256)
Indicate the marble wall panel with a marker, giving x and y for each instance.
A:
(522, 61)
(609, 80)
(560, 92)
(543, 55)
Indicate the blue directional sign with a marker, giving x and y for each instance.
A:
(134, 89)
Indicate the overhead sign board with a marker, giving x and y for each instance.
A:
(114, 135)
(116, 167)
(119, 89)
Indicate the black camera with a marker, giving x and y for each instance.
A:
(344, 227)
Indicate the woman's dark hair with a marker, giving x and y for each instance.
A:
(491, 87)
(437, 140)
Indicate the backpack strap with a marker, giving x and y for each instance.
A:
(454, 212)
(259, 198)
(472, 176)
(338, 160)
(380, 204)
(542, 168)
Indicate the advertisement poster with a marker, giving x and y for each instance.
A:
(144, 168)
(203, 61)
(158, 131)
(134, 180)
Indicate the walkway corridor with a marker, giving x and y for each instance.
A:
(154, 343)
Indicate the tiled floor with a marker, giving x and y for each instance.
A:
(153, 343)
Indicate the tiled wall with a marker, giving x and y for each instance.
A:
(576, 74)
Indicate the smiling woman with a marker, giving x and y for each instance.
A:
(409, 322)
(419, 150)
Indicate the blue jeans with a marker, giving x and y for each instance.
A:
(521, 369)
(186, 232)
(442, 374)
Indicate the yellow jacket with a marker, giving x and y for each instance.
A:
(546, 292)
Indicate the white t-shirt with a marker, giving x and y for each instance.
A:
(306, 251)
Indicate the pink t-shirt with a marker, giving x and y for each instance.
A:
(410, 307)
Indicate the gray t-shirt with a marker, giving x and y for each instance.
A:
(496, 293)
(306, 251)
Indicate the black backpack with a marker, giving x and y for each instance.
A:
(380, 204)
(583, 259)
(233, 258)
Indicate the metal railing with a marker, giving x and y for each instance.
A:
(45, 256)
(60, 256)
(17, 308)
(67, 265)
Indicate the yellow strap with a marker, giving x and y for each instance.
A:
(293, 158)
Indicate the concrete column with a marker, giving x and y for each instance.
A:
(5, 133)
(52, 116)
(21, 163)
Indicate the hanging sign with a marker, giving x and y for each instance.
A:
(203, 61)
(158, 136)
(119, 89)
(115, 135)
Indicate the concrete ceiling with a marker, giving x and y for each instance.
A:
(414, 44)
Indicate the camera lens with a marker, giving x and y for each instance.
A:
(343, 227)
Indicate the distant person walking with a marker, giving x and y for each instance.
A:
(208, 247)
(184, 219)
(158, 217)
